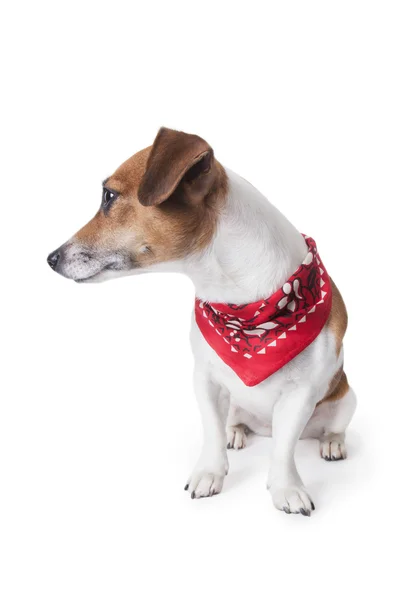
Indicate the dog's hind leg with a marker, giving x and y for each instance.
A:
(236, 430)
(331, 419)
(240, 424)
(339, 414)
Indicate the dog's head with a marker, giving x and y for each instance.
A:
(161, 205)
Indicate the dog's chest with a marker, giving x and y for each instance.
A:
(259, 400)
(315, 365)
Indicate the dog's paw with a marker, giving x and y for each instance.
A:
(203, 484)
(333, 447)
(292, 499)
(236, 437)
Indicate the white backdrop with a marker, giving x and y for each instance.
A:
(98, 428)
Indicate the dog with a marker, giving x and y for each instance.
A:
(277, 372)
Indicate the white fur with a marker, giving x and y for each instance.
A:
(253, 253)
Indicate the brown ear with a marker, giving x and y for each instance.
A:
(176, 158)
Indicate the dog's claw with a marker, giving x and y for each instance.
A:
(312, 505)
(305, 513)
(186, 487)
(292, 499)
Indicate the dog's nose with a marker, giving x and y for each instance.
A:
(53, 258)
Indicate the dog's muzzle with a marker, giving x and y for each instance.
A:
(80, 263)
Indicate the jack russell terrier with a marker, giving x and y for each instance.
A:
(268, 323)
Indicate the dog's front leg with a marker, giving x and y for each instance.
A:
(291, 414)
(208, 476)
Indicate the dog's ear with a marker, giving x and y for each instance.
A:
(179, 163)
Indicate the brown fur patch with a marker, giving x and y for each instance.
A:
(338, 387)
(182, 224)
(337, 321)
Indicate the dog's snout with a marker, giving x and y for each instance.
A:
(53, 258)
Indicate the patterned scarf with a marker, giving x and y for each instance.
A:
(257, 339)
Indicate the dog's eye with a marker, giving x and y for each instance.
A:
(108, 198)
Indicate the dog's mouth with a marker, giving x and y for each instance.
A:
(82, 265)
(91, 278)
(107, 272)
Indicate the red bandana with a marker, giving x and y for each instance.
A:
(257, 339)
